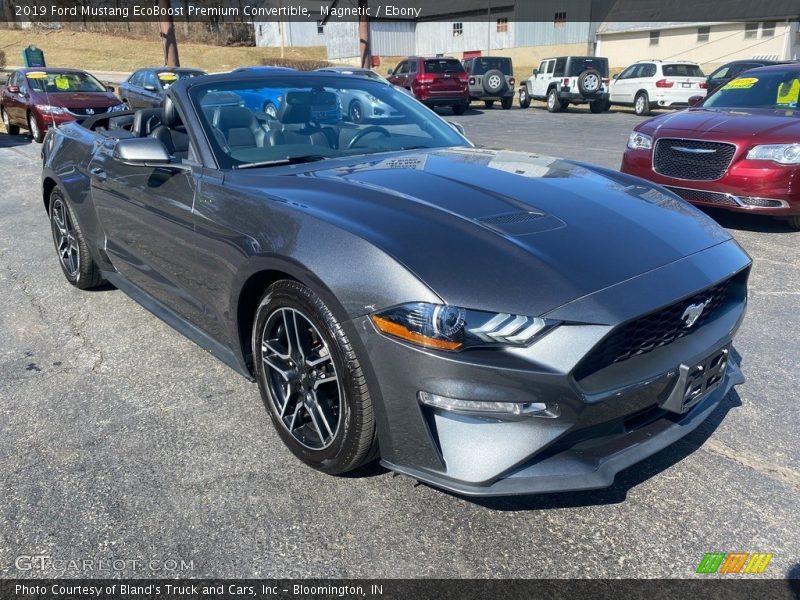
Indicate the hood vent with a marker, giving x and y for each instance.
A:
(521, 223)
(511, 218)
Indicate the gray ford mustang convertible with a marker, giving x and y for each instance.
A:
(489, 322)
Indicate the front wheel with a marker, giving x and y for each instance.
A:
(33, 126)
(524, 98)
(311, 380)
(356, 112)
(76, 262)
(553, 103)
(641, 105)
(270, 110)
(506, 102)
(10, 129)
(794, 222)
(460, 108)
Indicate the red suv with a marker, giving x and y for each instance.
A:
(434, 81)
(737, 149)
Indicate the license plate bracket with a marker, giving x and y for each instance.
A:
(696, 381)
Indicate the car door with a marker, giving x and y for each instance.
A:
(400, 75)
(543, 78)
(13, 101)
(131, 90)
(146, 216)
(620, 87)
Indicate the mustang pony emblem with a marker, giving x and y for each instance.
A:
(693, 312)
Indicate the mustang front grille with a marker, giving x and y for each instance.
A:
(657, 329)
(692, 159)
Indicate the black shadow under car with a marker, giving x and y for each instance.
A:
(490, 322)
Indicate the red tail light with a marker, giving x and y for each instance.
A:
(512, 81)
(472, 81)
(463, 77)
(605, 81)
(664, 83)
(704, 86)
(424, 79)
(565, 81)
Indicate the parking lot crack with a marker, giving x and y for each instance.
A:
(24, 285)
(779, 472)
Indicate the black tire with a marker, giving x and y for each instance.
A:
(10, 129)
(553, 103)
(73, 254)
(356, 112)
(564, 106)
(33, 126)
(794, 222)
(590, 82)
(494, 82)
(524, 98)
(641, 104)
(270, 110)
(354, 440)
(597, 106)
(607, 106)
(506, 102)
(460, 108)
(488, 103)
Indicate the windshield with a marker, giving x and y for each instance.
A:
(167, 78)
(579, 65)
(443, 65)
(771, 89)
(682, 71)
(481, 65)
(313, 120)
(68, 81)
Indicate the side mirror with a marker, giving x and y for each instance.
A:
(615, 76)
(144, 152)
(696, 100)
(13, 89)
(150, 88)
(535, 72)
(111, 88)
(389, 72)
(458, 127)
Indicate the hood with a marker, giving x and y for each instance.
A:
(78, 99)
(482, 227)
(737, 123)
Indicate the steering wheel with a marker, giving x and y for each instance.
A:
(365, 132)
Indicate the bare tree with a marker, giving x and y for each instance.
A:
(168, 39)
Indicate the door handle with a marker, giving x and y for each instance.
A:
(98, 173)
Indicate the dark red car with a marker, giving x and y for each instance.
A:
(737, 149)
(434, 81)
(38, 98)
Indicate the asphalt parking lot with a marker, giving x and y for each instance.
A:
(121, 440)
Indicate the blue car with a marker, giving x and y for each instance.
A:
(264, 100)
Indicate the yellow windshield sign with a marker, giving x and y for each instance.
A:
(62, 83)
(745, 83)
(788, 93)
(166, 76)
(36, 75)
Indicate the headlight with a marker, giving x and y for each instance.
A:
(51, 110)
(452, 328)
(640, 141)
(784, 154)
(117, 108)
(372, 99)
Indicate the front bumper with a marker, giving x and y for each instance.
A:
(748, 186)
(606, 421)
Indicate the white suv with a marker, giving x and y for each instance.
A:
(651, 84)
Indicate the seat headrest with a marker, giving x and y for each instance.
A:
(234, 117)
(169, 114)
(309, 106)
(145, 120)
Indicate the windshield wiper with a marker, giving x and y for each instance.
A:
(289, 160)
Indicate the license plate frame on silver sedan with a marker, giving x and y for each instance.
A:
(697, 381)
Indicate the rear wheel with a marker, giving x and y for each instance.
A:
(553, 103)
(488, 103)
(641, 105)
(33, 127)
(76, 262)
(311, 380)
(524, 98)
(460, 108)
(10, 129)
(597, 106)
(506, 102)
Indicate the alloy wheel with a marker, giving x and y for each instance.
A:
(301, 378)
(65, 239)
(34, 128)
(355, 112)
(6, 122)
(640, 104)
(591, 83)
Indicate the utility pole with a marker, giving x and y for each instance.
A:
(363, 35)
(168, 39)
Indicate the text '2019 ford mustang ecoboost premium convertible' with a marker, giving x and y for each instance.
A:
(489, 322)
